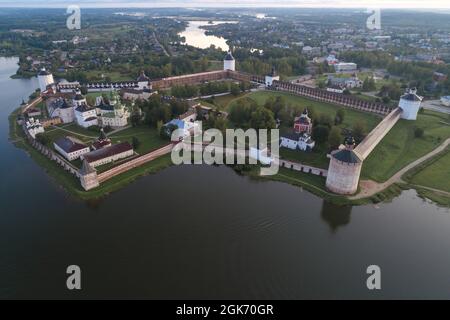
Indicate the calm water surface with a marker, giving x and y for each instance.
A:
(205, 232)
(196, 37)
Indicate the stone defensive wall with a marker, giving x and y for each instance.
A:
(66, 165)
(302, 168)
(134, 163)
(377, 134)
(196, 78)
(32, 104)
(331, 97)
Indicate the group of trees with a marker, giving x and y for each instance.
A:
(157, 108)
(246, 113)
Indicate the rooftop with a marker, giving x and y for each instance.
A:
(69, 144)
(346, 155)
(107, 152)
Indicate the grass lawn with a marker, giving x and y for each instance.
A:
(96, 75)
(148, 137)
(73, 130)
(400, 147)
(299, 103)
(318, 157)
(436, 174)
(223, 102)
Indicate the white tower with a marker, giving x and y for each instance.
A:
(270, 78)
(228, 62)
(45, 78)
(410, 104)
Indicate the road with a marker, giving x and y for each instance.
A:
(159, 44)
(370, 188)
(435, 105)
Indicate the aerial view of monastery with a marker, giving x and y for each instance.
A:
(355, 103)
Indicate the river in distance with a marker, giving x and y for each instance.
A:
(204, 232)
(196, 37)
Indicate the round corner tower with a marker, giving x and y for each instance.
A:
(228, 62)
(344, 169)
(45, 78)
(410, 104)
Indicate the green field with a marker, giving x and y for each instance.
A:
(318, 157)
(299, 103)
(395, 151)
(400, 147)
(148, 137)
(436, 174)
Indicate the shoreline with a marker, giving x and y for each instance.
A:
(313, 184)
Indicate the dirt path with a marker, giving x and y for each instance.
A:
(370, 187)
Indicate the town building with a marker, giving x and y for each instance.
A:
(345, 67)
(297, 141)
(345, 82)
(303, 123)
(45, 79)
(34, 127)
(108, 154)
(336, 89)
(445, 101)
(70, 148)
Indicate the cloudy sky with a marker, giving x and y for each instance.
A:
(232, 3)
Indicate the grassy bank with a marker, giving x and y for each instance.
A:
(400, 147)
(68, 181)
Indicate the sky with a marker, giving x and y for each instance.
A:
(406, 4)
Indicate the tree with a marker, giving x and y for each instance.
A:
(135, 119)
(43, 139)
(320, 133)
(262, 118)
(159, 126)
(84, 90)
(340, 115)
(325, 119)
(369, 85)
(235, 90)
(135, 143)
(418, 132)
(334, 138)
(359, 130)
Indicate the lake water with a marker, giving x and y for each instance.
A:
(205, 232)
(196, 37)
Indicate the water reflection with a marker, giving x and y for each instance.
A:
(335, 216)
(196, 37)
